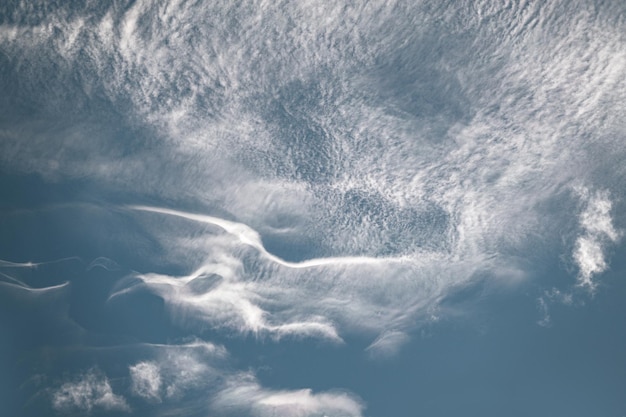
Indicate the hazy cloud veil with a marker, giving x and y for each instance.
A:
(186, 182)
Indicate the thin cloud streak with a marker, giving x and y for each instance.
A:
(9, 264)
(248, 236)
(387, 344)
(22, 286)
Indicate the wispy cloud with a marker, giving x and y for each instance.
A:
(387, 344)
(597, 233)
(146, 380)
(250, 237)
(178, 372)
(9, 264)
(89, 392)
(241, 286)
(547, 299)
(199, 376)
(243, 394)
(306, 170)
(398, 160)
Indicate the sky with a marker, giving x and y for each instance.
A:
(313, 208)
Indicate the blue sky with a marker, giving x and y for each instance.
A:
(312, 208)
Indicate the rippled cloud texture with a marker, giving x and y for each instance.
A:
(195, 190)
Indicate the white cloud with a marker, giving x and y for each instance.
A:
(199, 376)
(89, 392)
(597, 233)
(253, 291)
(408, 181)
(9, 264)
(178, 370)
(405, 184)
(146, 380)
(243, 394)
(184, 371)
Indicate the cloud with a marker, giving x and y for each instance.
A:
(199, 376)
(42, 308)
(185, 371)
(241, 286)
(387, 344)
(87, 393)
(548, 298)
(315, 171)
(146, 380)
(32, 265)
(597, 233)
(178, 370)
(9, 264)
(243, 394)
(167, 378)
(250, 237)
(417, 160)
(104, 263)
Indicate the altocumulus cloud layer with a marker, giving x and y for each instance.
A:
(294, 171)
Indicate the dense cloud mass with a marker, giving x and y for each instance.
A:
(293, 172)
